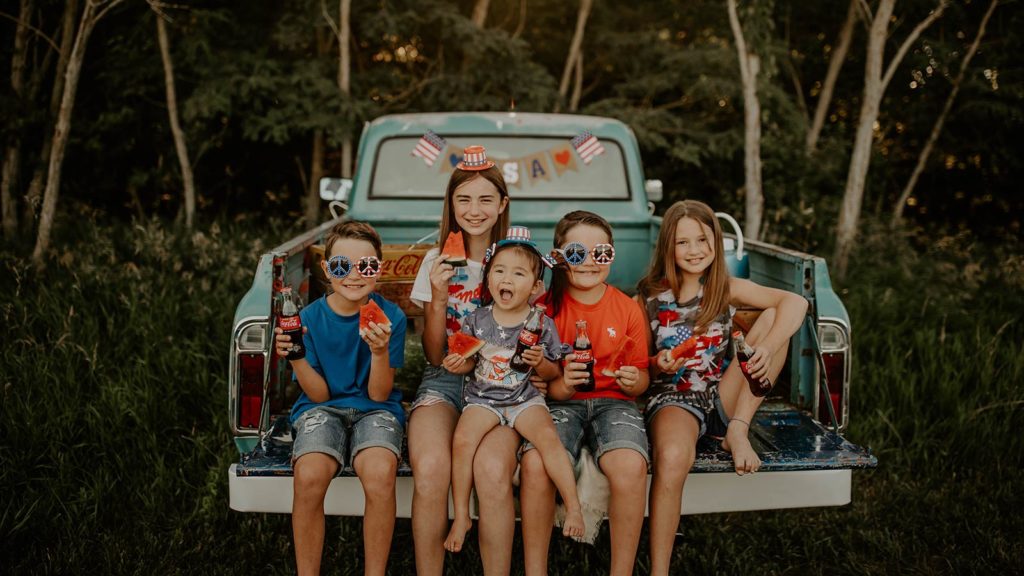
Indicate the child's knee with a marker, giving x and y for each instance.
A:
(313, 473)
(376, 467)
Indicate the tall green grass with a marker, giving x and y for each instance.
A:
(114, 445)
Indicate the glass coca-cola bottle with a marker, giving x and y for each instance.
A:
(528, 336)
(584, 355)
(290, 323)
(743, 353)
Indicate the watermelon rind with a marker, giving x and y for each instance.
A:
(455, 247)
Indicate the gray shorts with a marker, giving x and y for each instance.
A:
(439, 386)
(604, 423)
(339, 432)
(705, 406)
(507, 414)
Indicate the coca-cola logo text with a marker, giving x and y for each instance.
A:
(403, 267)
(288, 323)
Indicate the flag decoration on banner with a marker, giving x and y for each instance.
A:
(429, 147)
(587, 146)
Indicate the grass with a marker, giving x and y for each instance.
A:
(114, 444)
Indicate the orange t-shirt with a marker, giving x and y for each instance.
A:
(609, 321)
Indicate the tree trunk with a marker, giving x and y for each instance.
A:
(835, 64)
(574, 50)
(92, 13)
(577, 88)
(172, 112)
(874, 87)
(522, 20)
(922, 159)
(12, 153)
(480, 12)
(344, 84)
(750, 65)
(311, 212)
(67, 39)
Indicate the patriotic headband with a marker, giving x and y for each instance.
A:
(518, 235)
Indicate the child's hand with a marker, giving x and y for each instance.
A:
(377, 337)
(575, 373)
(628, 378)
(539, 383)
(666, 364)
(283, 343)
(455, 363)
(440, 273)
(533, 355)
(759, 362)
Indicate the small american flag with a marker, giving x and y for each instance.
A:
(587, 146)
(684, 333)
(429, 147)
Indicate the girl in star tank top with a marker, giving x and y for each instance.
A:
(689, 300)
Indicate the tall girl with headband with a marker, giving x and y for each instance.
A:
(606, 418)
(475, 203)
(690, 298)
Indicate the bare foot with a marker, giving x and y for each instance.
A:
(572, 527)
(744, 458)
(457, 534)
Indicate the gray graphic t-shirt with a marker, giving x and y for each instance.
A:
(494, 382)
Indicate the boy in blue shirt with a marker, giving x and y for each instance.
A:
(348, 408)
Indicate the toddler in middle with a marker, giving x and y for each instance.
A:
(496, 394)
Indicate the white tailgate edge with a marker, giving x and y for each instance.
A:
(705, 492)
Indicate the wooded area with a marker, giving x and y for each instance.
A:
(898, 119)
(765, 108)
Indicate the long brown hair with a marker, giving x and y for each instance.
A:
(460, 177)
(663, 272)
(560, 274)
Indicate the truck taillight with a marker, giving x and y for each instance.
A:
(250, 378)
(835, 355)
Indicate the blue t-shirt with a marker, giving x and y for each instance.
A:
(337, 353)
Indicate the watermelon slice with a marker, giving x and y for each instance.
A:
(464, 344)
(685, 349)
(371, 312)
(455, 248)
(619, 358)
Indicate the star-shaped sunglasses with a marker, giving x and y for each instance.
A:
(575, 253)
(340, 266)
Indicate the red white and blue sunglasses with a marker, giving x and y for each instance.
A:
(340, 266)
(575, 253)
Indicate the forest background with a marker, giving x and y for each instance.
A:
(153, 150)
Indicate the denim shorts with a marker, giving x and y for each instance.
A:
(339, 432)
(705, 406)
(605, 423)
(507, 414)
(439, 386)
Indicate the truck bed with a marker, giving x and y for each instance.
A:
(804, 465)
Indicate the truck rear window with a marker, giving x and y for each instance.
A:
(534, 167)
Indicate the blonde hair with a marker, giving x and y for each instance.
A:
(664, 274)
(460, 177)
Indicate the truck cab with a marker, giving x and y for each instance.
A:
(798, 432)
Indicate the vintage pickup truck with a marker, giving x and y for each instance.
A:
(798, 431)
